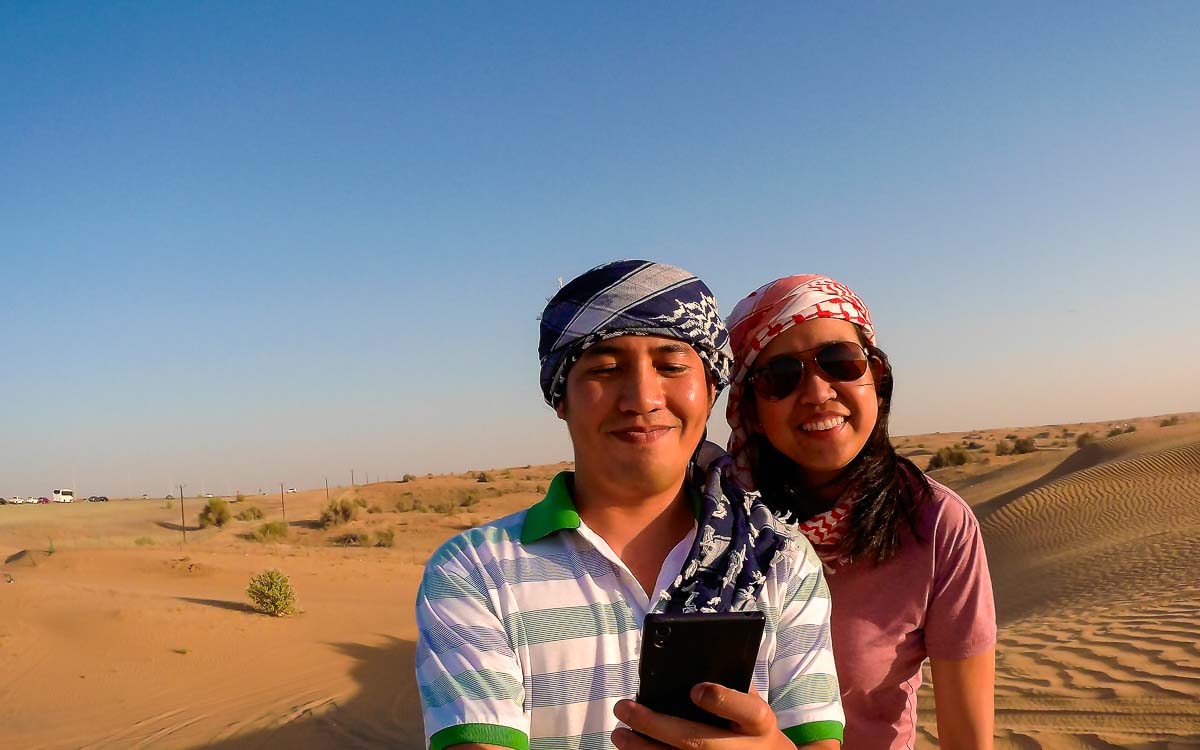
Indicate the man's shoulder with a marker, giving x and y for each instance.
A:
(485, 540)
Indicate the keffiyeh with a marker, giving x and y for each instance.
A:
(767, 312)
(629, 297)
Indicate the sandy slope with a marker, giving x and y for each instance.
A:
(126, 638)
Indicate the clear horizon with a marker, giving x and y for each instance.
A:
(253, 244)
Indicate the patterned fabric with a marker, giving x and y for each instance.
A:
(529, 631)
(737, 543)
(629, 297)
(767, 312)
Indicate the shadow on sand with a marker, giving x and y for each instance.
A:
(309, 523)
(221, 604)
(384, 713)
(176, 527)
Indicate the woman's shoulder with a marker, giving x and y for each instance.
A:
(945, 514)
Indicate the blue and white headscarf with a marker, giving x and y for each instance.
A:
(630, 297)
(737, 538)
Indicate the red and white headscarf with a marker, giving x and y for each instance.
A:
(767, 312)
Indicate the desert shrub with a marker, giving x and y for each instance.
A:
(385, 538)
(540, 488)
(142, 541)
(253, 513)
(240, 498)
(274, 531)
(215, 513)
(1024, 445)
(1169, 422)
(1129, 428)
(1042, 435)
(469, 499)
(1086, 438)
(338, 512)
(374, 509)
(168, 505)
(408, 478)
(483, 476)
(1114, 432)
(272, 592)
(404, 505)
(1010, 436)
(974, 446)
(1004, 448)
(353, 539)
(951, 455)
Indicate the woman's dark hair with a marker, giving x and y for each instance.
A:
(887, 487)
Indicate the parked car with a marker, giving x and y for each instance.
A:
(16, 500)
(291, 490)
(169, 497)
(102, 499)
(209, 495)
(43, 501)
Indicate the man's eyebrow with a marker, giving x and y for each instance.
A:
(601, 349)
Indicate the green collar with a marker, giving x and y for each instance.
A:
(557, 511)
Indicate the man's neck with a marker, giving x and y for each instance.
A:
(640, 526)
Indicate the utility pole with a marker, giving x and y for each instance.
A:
(182, 517)
(282, 501)
(352, 477)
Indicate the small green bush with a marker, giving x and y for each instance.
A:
(142, 541)
(253, 513)
(1086, 438)
(951, 455)
(483, 476)
(408, 478)
(1004, 448)
(338, 512)
(1169, 422)
(1024, 445)
(274, 531)
(215, 513)
(1114, 432)
(271, 592)
(385, 538)
(358, 501)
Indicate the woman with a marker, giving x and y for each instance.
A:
(904, 559)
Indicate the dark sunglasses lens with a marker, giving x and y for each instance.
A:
(843, 361)
(779, 377)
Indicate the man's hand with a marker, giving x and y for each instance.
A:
(754, 726)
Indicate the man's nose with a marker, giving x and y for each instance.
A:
(641, 389)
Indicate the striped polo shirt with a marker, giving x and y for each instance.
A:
(530, 629)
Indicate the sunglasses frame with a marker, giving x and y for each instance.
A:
(808, 358)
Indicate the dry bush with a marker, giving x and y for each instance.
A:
(352, 539)
(385, 538)
(274, 531)
(1086, 438)
(951, 455)
(1169, 421)
(338, 512)
(250, 514)
(1004, 448)
(215, 513)
(1024, 445)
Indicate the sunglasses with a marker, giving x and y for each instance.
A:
(838, 362)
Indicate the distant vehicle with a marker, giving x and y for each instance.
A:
(16, 500)
(291, 490)
(97, 499)
(3, 501)
(145, 495)
(64, 496)
(169, 497)
(43, 501)
(209, 495)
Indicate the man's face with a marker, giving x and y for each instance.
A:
(636, 406)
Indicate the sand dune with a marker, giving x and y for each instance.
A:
(125, 637)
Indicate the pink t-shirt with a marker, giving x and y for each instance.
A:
(933, 599)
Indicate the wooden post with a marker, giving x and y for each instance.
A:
(182, 517)
(282, 501)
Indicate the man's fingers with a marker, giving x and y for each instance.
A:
(669, 730)
(748, 712)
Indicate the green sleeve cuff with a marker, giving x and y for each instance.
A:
(487, 734)
(813, 731)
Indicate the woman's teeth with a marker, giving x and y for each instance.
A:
(825, 424)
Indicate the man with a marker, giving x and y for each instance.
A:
(530, 625)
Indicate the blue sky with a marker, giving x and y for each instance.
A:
(245, 243)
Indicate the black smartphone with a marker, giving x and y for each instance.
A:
(680, 650)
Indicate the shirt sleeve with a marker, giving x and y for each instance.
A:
(960, 620)
(470, 680)
(803, 678)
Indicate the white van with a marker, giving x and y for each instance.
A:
(64, 496)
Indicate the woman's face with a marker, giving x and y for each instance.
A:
(823, 424)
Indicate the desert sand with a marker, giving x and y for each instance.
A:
(114, 633)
